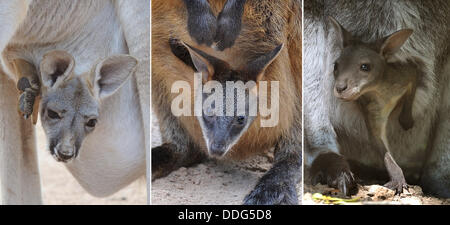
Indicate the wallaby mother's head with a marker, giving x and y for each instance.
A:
(70, 102)
(361, 65)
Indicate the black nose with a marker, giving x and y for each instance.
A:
(341, 87)
(217, 149)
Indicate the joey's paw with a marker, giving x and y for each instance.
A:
(228, 29)
(27, 98)
(332, 169)
(272, 193)
(342, 180)
(202, 26)
(161, 161)
(26, 103)
(23, 84)
(397, 185)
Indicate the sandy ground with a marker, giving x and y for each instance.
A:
(59, 187)
(374, 194)
(213, 182)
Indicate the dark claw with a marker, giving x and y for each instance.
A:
(272, 193)
(277, 186)
(397, 186)
(26, 102)
(333, 170)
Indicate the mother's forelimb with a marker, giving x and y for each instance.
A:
(278, 185)
(19, 172)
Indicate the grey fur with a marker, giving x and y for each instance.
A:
(339, 127)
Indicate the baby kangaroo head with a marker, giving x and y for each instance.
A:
(70, 103)
(361, 65)
(229, 95)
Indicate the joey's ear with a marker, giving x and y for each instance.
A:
(56, 66)
(111, 73)
(394, 42)
(344, 36)
(202, 62)
(255, 68)
(197, 59)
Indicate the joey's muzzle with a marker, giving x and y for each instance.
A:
(64, 153)
(346, 90)
(217, 148)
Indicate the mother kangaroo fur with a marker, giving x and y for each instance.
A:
(337, 141)
(265, 25)
(90, 31)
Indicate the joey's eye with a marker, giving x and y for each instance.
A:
(91, 123)
(240, 120)
(52, 114)
(335, 67)
(365, 67)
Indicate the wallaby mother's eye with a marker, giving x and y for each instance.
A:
(91, 123)
(365, 67)
(52, 114)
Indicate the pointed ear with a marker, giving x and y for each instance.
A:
(111, 73)
(256, 68)
(56, 67)
(202, 62)
(345, 37)
(392, 43)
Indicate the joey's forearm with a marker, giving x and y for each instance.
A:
(169, 157)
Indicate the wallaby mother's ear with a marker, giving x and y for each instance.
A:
(394, 42)
(345, 37)
(55, 67)
(255, 68)
(111, 73)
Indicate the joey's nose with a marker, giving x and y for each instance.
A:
(341, 87)
(217, 148)
(64, 153)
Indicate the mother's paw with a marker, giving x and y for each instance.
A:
(272, 193)
(229, 24)
(202, 25)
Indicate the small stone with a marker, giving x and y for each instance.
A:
(380, 193)
(410, 201)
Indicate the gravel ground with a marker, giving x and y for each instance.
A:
(212, 182)
(375, 194)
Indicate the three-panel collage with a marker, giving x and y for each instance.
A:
(224, 102)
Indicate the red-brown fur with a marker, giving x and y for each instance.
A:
(265, 25)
